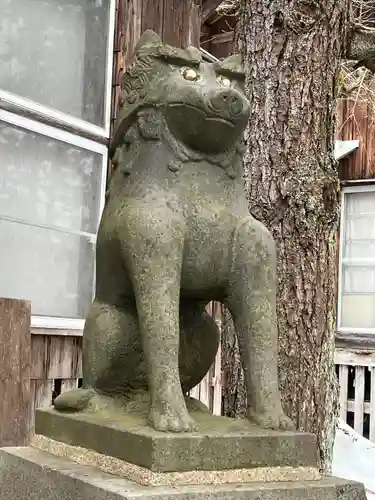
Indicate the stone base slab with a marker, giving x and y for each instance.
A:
(220, 444)
(30, 474)
(146, 477)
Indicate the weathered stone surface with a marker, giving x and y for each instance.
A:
(220, 444)
(176, 234)
(29, 474)
(141, 475)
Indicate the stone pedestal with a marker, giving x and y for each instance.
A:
(220, 444)
(115, 455)
(29, 474)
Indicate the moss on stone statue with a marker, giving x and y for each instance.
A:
(176, 234)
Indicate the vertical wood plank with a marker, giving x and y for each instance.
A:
(369, 167)
(205, 389)
(64, 357)
(356, 121)
(134, 28)
(217, 379)
(339, 118)
(38, 357)
(54, 356)
(195, 392)
(217, 396)
(359, 399)
(372, 405)
(363, 125)
(118, 68)
(32, 407)
(173, 22)
(192, 23)
(41, 391)
(128, 31)
(152, 16)
(15, 391)
(343, 398)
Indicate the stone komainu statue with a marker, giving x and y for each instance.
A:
(176, 234)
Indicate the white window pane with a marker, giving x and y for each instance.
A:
(360, 227)
(357, 249)
(358, 311)
(53, 52)
(360, 203)
(52, 269)
(48, 182)
(359, 279)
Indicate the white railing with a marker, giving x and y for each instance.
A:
(357, 389)
(210, 389)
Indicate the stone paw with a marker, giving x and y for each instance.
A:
(163, 417)
(74, 400)
(271, 419)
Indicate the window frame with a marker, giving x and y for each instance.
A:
(39, 111)
(75, 140)
(34, 117)
(347, 190)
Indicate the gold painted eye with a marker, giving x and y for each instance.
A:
(190, 74)
(225, 82)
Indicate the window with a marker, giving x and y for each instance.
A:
(356, 308)
(55, 67)
(54, 58)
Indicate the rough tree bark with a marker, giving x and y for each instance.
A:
(292, 51)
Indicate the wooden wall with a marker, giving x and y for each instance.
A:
(356, 120)
(217, 35)
(56, 366)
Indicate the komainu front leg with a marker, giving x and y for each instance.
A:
(252, 303)
(153, 256)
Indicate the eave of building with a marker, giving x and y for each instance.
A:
(342, 149)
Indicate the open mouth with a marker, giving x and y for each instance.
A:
(205, 116)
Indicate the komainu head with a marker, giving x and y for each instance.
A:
(203, 103)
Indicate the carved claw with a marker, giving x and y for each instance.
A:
(166, 418)
(271, 419)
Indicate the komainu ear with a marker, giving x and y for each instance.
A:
(231, 65)
(194, 52)
(148, 39)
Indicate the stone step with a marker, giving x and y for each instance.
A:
(30, 474)
(220, 444)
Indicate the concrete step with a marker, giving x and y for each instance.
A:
(30, 474)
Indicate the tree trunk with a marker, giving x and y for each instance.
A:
(292, 52)
(233, 387)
